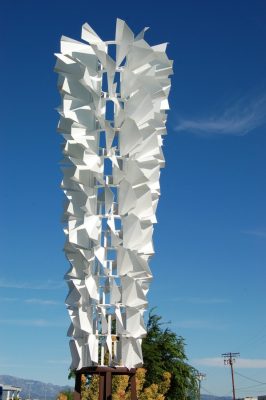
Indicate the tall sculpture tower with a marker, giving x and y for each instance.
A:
(112, 118)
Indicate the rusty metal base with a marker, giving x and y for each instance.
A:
(105, 382)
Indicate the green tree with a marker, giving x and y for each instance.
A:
(164, 351)
(166, 373)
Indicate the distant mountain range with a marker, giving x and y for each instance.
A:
(210, 397)
(40, 390)
(34, 389)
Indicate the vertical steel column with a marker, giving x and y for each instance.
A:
(108, 385)
(77, 391)
(101, 386)
(133, 387)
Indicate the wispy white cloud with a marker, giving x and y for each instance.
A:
(47, 285)
(41, 323)
(8, 299)
(42, 302)
(255, 232)
(200, 300)
(242, 117)
(239, 363)
(198, 324)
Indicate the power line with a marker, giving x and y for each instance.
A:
(259, 391)
(250, 386)
(250, 379)
(229, 359)
(243, 389)
(207, 391)
(255, 338)
(200, 376)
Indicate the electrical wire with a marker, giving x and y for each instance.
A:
(206, 390)
(250, 386)
(250, 379)
(256, 338)
(253, 392)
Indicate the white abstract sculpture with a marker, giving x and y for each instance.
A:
(113, 118)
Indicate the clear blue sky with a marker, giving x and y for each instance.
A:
(209, 266)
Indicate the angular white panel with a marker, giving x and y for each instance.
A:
(112, 161)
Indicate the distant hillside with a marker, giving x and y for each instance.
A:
(37, 389)
(210, 397)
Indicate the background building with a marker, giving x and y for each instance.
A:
(8, 392)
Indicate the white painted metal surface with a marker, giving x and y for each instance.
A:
(112, 118)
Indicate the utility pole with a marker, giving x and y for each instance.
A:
(30, 383)
(229, 359)
(45, 389)
(200, 376)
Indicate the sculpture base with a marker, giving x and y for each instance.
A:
(105, 381)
